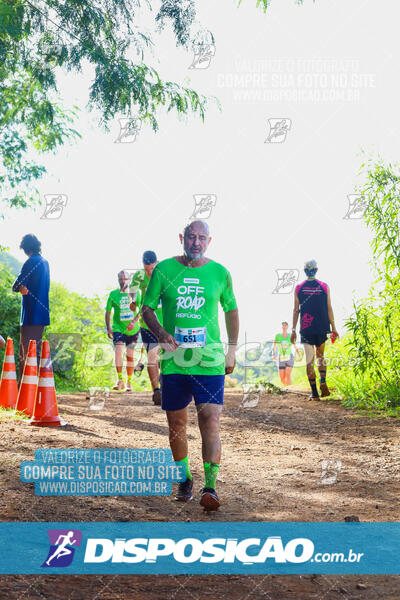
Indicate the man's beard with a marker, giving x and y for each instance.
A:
(195, 256)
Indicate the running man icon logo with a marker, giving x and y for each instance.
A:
(55, 204)
(251, 395)
(98, 397)
(203, 54)
(278, 129)
(62, 547)
(356, 208)
(330, 470)
(129, 128)
(287, 279)
(203, 205)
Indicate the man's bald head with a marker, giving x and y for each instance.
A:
(196, 226)
(195, 239)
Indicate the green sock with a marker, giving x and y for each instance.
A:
(186, 463)
(210, 474)
(120, 378)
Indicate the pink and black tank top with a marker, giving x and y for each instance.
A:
(313, 298)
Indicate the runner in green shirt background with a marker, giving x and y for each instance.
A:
(285, 354)
(125, 327)
(140, 281)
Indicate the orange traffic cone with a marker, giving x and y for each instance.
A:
(45, 412)
(8, 385)
(29, 382)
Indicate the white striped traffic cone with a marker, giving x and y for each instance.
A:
(29, 382)
(8, 385)
(45, 412)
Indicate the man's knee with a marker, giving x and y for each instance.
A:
(209, 420)
(153, 357)
(176, 420)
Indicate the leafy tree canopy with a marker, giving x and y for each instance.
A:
(37, 37)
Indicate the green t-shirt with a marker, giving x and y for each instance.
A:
(122, 315)
(284, 346)
(190, 298)
(140, 281)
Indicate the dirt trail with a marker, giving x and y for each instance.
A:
(271, 471)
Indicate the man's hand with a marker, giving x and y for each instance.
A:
(110, 333)
(2, 342)
(167, 341)
(132, 323)
(23, 290)
(230, 361)
(293, 337)
(334, 333)
(133, 305)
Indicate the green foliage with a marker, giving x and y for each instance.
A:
(10, 308)
(9, 414)
(373, 343)
(11, 262)
(265, 4)
(182, 14)
(36, 41)
(268, 387)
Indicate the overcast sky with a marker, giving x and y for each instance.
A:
(327, 71)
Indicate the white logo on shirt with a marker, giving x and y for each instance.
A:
(186, 300)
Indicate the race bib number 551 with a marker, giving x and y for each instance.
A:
(191, 338)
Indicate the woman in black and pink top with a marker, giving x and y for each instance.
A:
(312, 301)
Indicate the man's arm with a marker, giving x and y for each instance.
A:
(167, 341)
(296, 311)
(108, 324)
(330, 314)
(18, 286)
(232, 328)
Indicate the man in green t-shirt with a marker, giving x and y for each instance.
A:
(140, 281)
(125, 327)
(285, 354)
(193, 363)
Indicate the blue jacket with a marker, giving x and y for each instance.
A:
(35, 275)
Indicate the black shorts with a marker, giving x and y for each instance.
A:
(119, 338)
(286, 363)
(149, 339)
(313, 339)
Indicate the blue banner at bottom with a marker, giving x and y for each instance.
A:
(199, 548)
